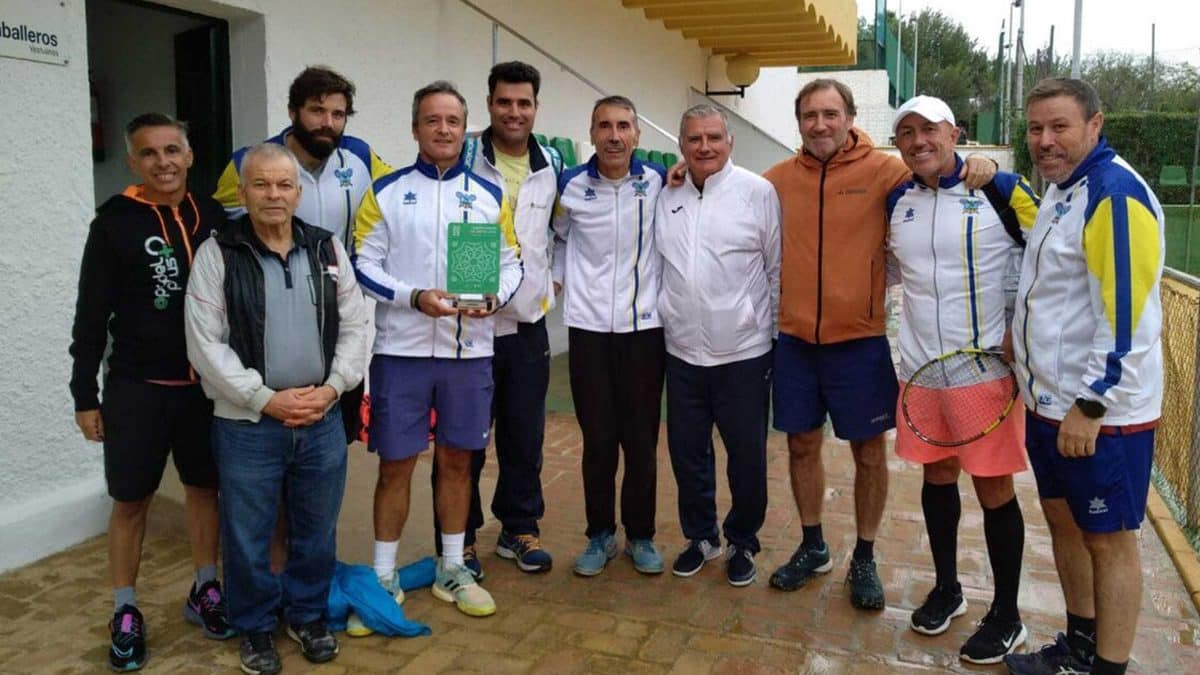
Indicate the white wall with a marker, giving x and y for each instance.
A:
(46, 190)
(51, 487)
(112, 57)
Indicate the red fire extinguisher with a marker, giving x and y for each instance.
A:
(97, 130)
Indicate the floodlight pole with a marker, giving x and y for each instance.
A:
(1019, 95)
(1187, 237)
(1075, 72)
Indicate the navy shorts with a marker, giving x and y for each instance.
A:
(852, 382)
(1105, 492)
(404, 390)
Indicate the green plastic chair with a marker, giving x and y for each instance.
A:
(670, 159)
(566, 149)
(641, 155)
(655, 156)
(1173, 176)
(540, 138)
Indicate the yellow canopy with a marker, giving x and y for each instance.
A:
(774, 32)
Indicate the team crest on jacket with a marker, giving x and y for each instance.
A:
(639, 187)
(589, 194)
(466, 200)
(344, 176)
(410, 198)
(1060, 210)
(970, 206)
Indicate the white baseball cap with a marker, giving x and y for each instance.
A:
(931, 108)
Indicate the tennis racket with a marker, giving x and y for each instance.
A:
(959, 397)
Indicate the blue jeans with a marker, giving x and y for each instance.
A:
(258, 462)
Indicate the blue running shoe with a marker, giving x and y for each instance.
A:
(600, 549)
(645, 556)
(526, 550)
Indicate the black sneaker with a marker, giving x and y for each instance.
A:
(259, 656)
(940, 606)
(205, 607)
(1056, 658)
(316, 642)
(995, 638)
(804, 565)
(866, 590)
(739, 566)
(128, 648)
(698, 552)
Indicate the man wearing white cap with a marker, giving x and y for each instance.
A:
(957, 252)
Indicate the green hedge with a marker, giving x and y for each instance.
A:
(1148, 141)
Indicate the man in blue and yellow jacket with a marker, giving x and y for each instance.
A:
(429, 353)
(1089, 361)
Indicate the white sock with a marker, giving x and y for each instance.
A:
(385, 558)
(452, 548)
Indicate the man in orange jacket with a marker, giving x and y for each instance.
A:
(832, 358)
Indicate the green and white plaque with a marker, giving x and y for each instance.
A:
(473, 263)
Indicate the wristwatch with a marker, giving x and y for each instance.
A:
(1090, 409)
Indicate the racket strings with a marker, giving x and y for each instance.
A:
(959, 398)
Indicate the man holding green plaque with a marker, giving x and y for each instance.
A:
(435, 246)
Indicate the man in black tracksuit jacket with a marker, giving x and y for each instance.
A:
(131, 287)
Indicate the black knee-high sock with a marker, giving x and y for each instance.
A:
(1004, 530)
(942, 508)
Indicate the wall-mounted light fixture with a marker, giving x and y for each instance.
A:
(742, 71)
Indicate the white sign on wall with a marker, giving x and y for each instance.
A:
(34, 30)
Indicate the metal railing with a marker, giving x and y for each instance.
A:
(1177, 442)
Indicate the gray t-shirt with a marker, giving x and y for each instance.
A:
(292, 338)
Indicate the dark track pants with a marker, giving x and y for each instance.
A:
(736, 397)
(616, 384)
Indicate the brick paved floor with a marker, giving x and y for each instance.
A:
(54, 611)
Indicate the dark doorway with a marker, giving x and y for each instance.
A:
(202, 99)
(178, 64)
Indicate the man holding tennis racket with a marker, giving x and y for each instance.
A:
(957, 251)
(1089, 363)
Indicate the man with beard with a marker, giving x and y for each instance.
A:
(335, 172)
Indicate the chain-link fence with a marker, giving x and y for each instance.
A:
(1177, 442)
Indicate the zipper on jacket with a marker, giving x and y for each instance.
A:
(1025, 324)
(437, 259)
(937, 293)
(820, 250)
(612, 307)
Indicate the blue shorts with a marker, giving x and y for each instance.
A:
(404, 390)
(853, 382)
(1105, 492)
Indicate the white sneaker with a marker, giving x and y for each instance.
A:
(455, 583)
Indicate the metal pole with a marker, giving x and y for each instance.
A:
(1187, 236)
(1019, 96)
(916, 48)
(495, 43)
(1051, 70)
(1075, 72)
(1150, 102)
(1000, 87)
(899, 56)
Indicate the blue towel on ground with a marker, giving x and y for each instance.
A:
(355, 587)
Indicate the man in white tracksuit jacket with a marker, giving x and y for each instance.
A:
(427, 353)
(608, 267)
(1086, 337)
(718, 235)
